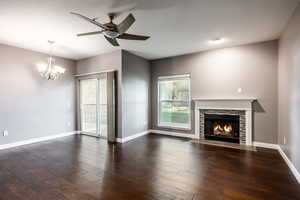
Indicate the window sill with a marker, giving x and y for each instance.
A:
(169, 126)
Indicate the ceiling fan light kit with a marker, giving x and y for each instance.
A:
(216, 41)
(112, 31)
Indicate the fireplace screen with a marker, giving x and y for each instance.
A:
(222, 127)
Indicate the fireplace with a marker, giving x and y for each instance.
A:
(222, 127)
(229, 120)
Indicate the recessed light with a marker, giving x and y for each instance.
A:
(217, 41)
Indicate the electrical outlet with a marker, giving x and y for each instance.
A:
(5, 133)
(239, 90)
(284, 140)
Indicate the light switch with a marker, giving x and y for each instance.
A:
(5, 133)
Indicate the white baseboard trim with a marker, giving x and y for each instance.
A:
(290, 164)
(266, 145)
(283, 155)
(175, 134)
(36, 140)
(132, 137)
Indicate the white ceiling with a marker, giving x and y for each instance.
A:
(175, 26)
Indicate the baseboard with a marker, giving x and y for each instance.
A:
(36, 140)
(132, 137)
(175, 134)
(290, 164)
(266, 145)
(283, 155)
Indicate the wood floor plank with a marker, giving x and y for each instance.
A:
(149, 168)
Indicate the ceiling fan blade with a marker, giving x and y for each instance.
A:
(127, 36)
(89, 20)
(112, 41)
(126, 23)
(90, 33)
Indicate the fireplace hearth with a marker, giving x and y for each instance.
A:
(222, 127)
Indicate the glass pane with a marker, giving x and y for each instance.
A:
(174, 114)
(88, 100)
(103, 108)
(174, 89)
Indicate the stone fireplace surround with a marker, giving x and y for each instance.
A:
(241, 107)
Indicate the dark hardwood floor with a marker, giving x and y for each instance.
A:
(148, 168)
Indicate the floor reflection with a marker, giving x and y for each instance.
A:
(148, 168)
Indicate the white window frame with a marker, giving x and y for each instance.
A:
(174, 125)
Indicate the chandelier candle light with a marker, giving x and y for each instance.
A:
(50, 71)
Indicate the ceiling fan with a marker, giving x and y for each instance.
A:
(112, 31)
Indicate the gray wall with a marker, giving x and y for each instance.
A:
(31, 107)
(289, 90)
(136, 94)
(219, 73)
(104, 62)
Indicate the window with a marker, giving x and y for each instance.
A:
(174, 102)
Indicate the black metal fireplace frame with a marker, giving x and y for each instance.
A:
(209, 120)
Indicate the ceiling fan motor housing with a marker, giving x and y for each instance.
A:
(111, 34)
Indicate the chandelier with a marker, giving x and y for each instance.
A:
(50, 71)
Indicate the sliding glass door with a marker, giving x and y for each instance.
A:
(93, 105)
(102, 108)
(88, 105)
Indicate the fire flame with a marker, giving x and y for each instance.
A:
(218, 128)
(228, 128)
(223, 129)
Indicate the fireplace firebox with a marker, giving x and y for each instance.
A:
(222, 127)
